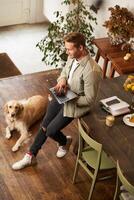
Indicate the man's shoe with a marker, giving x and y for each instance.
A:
(62, 150)
(28, 160)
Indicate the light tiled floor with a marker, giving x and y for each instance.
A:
(19, 42)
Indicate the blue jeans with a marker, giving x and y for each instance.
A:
(51, 126)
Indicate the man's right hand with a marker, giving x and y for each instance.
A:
(61, 87)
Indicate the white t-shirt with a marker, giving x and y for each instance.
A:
(74, 66)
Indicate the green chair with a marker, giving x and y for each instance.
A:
(91, 157)
(126, 191)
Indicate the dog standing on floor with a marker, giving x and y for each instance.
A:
(21, 114)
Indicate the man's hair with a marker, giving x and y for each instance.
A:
(76, 38)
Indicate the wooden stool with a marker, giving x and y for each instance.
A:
(7, 67)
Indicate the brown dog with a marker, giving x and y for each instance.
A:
(20, 115)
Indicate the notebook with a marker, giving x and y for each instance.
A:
(64, 98)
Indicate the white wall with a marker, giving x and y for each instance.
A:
(12, 12)
(21, 11)
(50, 6)
(36, 11)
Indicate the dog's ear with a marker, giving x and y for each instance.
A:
(21, 107)
(5, 108)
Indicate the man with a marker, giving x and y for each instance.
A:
(82, 75)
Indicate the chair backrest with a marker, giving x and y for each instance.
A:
(124, 181)
(90, 141)
(84, 138)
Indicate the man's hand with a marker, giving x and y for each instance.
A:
(61, 87)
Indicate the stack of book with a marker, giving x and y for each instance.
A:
(115, 106)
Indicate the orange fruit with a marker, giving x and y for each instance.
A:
(128, 86)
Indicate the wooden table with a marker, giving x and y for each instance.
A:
(35, 182)
(115, 55)
(7, 67)
(104, 47)
(120, 65)
(27, 85)
(117, 141)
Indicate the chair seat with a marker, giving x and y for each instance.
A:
(126, 196)
(90, 156)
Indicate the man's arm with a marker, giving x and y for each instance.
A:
(62, 80)
(91, 83)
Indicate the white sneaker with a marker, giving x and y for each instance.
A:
(62, 150)
(28, 160)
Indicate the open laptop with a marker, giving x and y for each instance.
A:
(64, 98)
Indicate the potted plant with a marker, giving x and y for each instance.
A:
(78, 19)
(120, 25)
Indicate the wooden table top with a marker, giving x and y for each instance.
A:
(115, 55)
(120, 65)
(24, 86)
(38, 182)
(105, 47)
(118, 140)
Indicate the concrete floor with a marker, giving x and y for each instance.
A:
(19, 42)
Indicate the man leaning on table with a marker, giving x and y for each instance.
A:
(82, 75)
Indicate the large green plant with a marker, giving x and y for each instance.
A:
(79, 19)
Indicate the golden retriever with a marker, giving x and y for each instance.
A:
(20, 115)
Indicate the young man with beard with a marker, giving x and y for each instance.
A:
(82, 75)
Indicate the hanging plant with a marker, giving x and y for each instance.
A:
(79, 19)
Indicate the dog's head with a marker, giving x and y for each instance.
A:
(13, 108)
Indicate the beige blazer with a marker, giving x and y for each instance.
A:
(85, 83)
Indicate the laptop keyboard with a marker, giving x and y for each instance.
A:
(61, 99)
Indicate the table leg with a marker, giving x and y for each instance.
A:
(104, 68)
(97, 56)
(112, 71)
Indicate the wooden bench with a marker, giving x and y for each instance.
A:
(7, 67)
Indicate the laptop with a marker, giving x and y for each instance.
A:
(63, 98)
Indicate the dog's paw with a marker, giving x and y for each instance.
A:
(27, 140)
(8, 135)
(15, 148)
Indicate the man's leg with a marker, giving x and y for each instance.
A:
(54, 131)
(52, 110)
(56, 125)
(51, 127)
